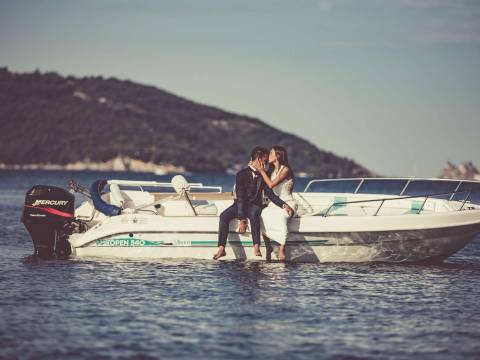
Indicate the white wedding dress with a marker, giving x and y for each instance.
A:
(274, 218)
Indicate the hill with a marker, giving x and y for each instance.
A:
(47, 120)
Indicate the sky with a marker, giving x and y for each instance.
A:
(392, 84)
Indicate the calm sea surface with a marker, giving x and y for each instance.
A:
(185, 309)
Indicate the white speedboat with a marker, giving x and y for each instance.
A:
(344, 220)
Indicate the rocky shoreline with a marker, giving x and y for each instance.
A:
(464, 171)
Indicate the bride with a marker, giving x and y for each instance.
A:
(280, 179)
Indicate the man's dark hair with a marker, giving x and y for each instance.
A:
(258, 151)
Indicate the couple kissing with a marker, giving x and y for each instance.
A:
(251, 184)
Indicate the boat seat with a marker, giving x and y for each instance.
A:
(205, 208)
(303, 206)
(415, 207)
(336, 205)
(182, 208)
(337, 202)
(202, 207)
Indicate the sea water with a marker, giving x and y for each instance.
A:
(186, 309)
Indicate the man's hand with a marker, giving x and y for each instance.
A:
(242, 228)
(288, 209)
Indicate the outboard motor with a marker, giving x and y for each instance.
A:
(47, 214)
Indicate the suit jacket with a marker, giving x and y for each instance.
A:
(249, 191)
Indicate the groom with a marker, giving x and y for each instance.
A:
(249, 188)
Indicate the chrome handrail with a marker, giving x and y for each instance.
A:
(426, 196)
(141, 184)
(145, 183)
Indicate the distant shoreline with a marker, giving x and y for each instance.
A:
(118, 163)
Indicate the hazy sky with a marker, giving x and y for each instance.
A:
(395, 85)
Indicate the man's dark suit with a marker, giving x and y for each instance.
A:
(249, 188)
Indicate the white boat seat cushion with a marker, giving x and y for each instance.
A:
(183, 208)
(205, 209)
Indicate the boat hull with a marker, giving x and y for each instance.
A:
(361, 246)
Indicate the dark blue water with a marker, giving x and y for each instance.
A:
(82, 309)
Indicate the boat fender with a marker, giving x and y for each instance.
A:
(99, 203)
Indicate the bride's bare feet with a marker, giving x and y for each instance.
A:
(220, 253)
(256, 250)
(281, 253)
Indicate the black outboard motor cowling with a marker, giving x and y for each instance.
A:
(47, 215)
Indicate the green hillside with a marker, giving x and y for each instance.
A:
(47, 118)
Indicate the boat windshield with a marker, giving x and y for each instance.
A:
(457, 190)
(468, 185)
(421, 187)
(382, 186)
(333, 186)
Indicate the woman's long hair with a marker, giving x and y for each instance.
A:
(282, 157)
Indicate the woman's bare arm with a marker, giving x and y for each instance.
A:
(272, 183)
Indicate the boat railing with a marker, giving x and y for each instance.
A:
(154, 184)
(418, 211)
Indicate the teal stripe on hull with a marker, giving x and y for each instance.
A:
(136, 242)
(214, 242)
